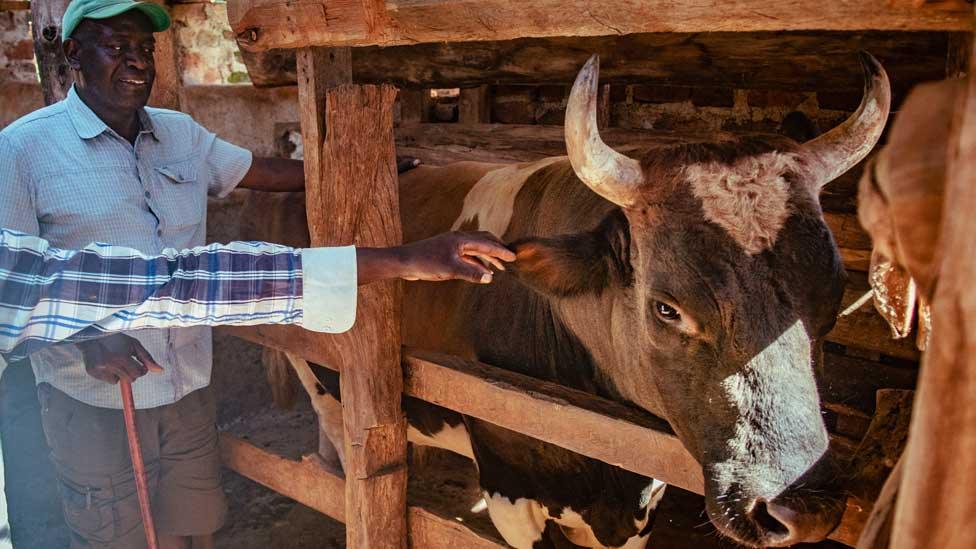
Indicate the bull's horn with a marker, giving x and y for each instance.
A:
(609, 173)
(838, 150)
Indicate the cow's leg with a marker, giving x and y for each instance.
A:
(328, 410)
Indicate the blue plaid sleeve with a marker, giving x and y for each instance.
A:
(49, 295)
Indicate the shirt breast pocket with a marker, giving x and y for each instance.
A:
(181, 197)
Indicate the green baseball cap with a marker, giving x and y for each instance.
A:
(103, 9)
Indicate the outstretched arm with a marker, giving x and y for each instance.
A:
(49, 295)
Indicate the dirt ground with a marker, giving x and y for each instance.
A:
(259, 518)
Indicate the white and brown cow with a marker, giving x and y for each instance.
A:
(694, 281)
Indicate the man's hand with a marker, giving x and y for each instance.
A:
(115, 357)
(447, 256)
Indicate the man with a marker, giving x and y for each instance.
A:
(48, 296)
(101, 166)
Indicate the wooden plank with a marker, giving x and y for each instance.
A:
(308, 481)
(314, 485)
(356, 202)
(319, 69)
(14, 5)
(936, 503)
(56, 77)
(580, 422)
(169, 81)
(474, 105)
(428, 529)
(411, 107)
(266, 24)
(866, 329)
(795, 61)
(599, 428)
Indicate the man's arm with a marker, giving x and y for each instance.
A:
(286, 175)
(49, 295)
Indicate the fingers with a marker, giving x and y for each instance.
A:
(489, 247)
(471, 270)
(143, 356)
(103, 373)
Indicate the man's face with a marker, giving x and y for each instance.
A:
(115, 57)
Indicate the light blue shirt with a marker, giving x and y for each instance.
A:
(67, 177)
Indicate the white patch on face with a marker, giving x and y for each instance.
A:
(492, 199)
(520, 523)
(749, 199)
(780, 433)
(452, 438)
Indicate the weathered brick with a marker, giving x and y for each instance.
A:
(661, 94)
(712, 97)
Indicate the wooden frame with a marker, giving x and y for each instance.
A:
(267, 24)
(375, 479)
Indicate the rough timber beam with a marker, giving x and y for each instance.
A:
(802, 61)
(580, 422)
(266, 24)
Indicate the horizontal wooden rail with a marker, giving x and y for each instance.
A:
(266, 24)
(314, 485)
(574, 420)
(798, 61)
(14, 5)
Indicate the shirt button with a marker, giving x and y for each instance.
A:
(147, 194)
(159, 232)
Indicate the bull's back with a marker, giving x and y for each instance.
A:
(431, 197)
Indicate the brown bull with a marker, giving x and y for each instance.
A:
(695, 281)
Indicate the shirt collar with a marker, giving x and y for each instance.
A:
(89, 125)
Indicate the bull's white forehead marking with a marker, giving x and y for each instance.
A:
(492, 199)
(452, 438)
(521, 523)
(749, 199)
(779, 433)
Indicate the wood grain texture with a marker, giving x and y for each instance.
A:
(583, 423)
(56, 77)
(169, 79)
(308, 481)
(319, 69)
(356, 202)
(474, 105)
(936, 503)
(318, 487)
(797, 61)
(266, 24)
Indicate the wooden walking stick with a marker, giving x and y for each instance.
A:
(138, 465)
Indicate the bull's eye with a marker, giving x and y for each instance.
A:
(666, 312)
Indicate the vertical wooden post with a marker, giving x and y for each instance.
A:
(352, 198)
(56, 78)
(169, 80)
(936, 502)
(411, 107)
(474, 106)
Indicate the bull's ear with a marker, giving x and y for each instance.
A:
(576, 264)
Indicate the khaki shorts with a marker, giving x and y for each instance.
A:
(89, 449)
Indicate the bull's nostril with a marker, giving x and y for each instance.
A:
(770, 524)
